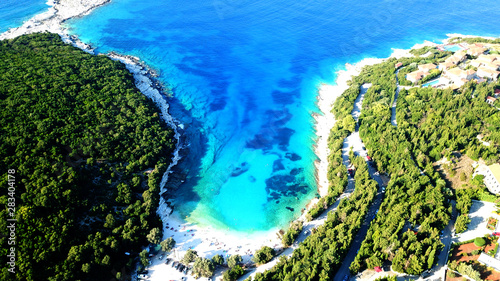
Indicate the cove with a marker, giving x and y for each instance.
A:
(243, 79)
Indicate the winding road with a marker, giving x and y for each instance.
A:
(356, 143)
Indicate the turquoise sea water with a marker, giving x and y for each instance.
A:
(244, 78)
(14, 12)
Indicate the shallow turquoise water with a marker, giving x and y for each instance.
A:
(432, 83)
(452, 48)
(14, 12)
(244, 78)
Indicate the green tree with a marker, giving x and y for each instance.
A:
(468, 270)
(234, 260)
(110, 221)
(233, 274)
(387, 278)
(292, 233)
(144, 257)
(79, 135)
(461, 223)
(190, 256)
(154, 236)
(349, 123)
(430, 261)
(479, 241)
(263, 255)
(463, 202)
(168, 244)
(203, 267)
(218, 260)
(86, 267)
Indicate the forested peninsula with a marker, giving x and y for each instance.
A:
(85, 151)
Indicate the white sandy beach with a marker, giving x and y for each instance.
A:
(327, 95)
(207, 242)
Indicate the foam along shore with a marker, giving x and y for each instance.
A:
(327, 94)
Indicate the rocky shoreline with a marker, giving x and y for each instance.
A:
(145, 77)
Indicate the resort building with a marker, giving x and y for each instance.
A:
(497, 93)
(491, 176)
(459, 76)
(487, 73)
(457, 57)
(487, 58)
(427, 67)
(446, 65)
(487, 62)
(492, 65)
(398, 65)
(476, 50)
(490, 100)
(415, 76)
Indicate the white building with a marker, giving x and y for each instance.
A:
(491, 177)
(489, 261)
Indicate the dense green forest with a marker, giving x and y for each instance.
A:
(88, 150)
(432, 124)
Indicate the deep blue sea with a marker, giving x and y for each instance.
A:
(244, 77)
(14, 12)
